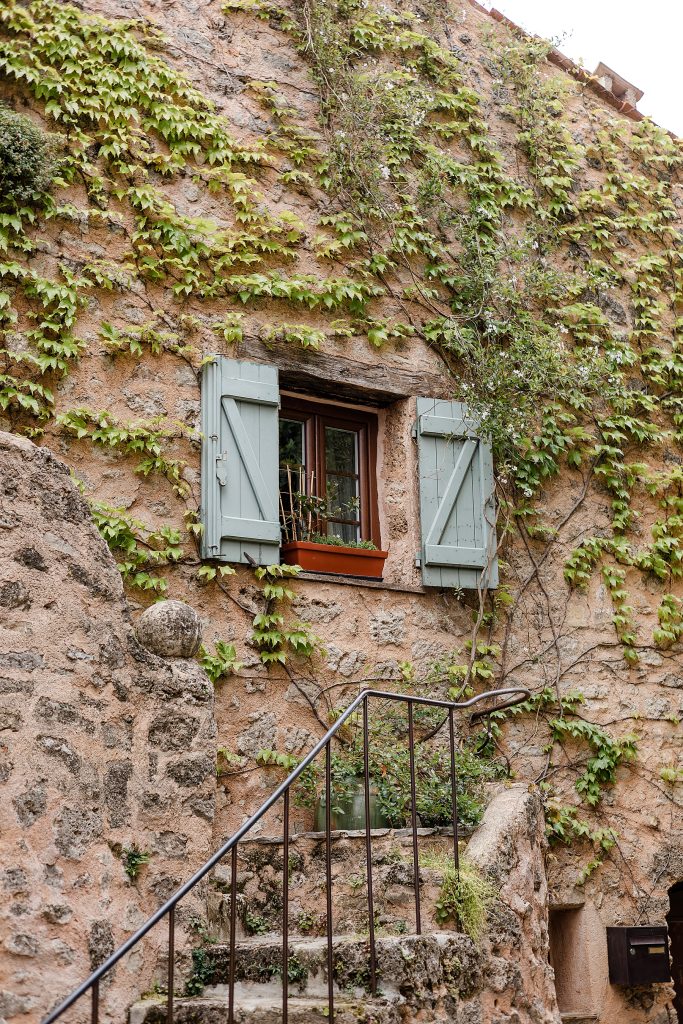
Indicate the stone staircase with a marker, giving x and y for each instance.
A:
(439, 975)
(431, 972)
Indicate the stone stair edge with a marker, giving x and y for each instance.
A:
(375, 833)
(314, 942)
(214, 1008)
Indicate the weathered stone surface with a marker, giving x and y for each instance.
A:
(100, 943)
(260, 735)
(81, 704)
(12, 1004)
(31, 805)
(14, 595)
(388, 627)
(171, 731)
(191, 771)
(347, 663)
(171, 629)
(317, 609)
(75, 831)
(509, 847)
(58, 913)
(116, 779)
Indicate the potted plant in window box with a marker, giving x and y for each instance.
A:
(309, 522)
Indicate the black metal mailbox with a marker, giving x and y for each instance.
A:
(638, 955)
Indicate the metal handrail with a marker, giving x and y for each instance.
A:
(168, 909)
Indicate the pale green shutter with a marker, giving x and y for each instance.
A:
(457, 507)
(239, 512)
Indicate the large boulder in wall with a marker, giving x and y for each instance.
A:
(103, 746)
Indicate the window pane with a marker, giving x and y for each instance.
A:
(292, 470)
(291, 443)
(342, 497)
(341, 450)
(341, 458)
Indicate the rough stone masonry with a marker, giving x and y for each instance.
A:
(102, 745)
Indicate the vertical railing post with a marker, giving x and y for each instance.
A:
(171, 964)
(454, 793)
(328, 871)
(285, 910)
(233, 926)
(413, 818)
(95, 1002)
(368, 849)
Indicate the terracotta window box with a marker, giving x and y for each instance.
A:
(334, 559)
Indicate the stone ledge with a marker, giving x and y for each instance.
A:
(357, 581)
(464, 832)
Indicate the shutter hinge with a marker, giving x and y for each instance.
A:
(418, 559)
(413, 430)
(222, 468)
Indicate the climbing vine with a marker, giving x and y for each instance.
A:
(550, 285)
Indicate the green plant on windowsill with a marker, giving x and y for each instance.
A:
(305, 515)
(339, 542)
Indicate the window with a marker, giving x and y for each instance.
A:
(328, 484)
(277, 470)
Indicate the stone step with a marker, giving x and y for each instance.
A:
(258, 1008)
(259, 883)
(259, 961)
(415, 973)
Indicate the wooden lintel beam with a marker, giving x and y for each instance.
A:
(319, 373)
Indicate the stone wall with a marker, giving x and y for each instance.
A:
(103, 746)
(555, 637)
(509, 846)
(106, 746)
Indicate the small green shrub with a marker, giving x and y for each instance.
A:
(133, 858)
(297, 973)
(203, 967)
(28, 157)
(466, 897)
(389, 767)
(255, 924)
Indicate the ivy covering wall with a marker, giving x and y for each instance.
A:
(547, 275)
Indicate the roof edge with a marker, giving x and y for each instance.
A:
(567, 65)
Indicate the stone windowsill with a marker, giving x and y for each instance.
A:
(358, 581)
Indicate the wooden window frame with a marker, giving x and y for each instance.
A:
(318, 415)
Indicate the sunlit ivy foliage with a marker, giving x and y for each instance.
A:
(520, 316)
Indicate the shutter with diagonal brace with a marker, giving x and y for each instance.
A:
(457, 508)
(240, 404)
